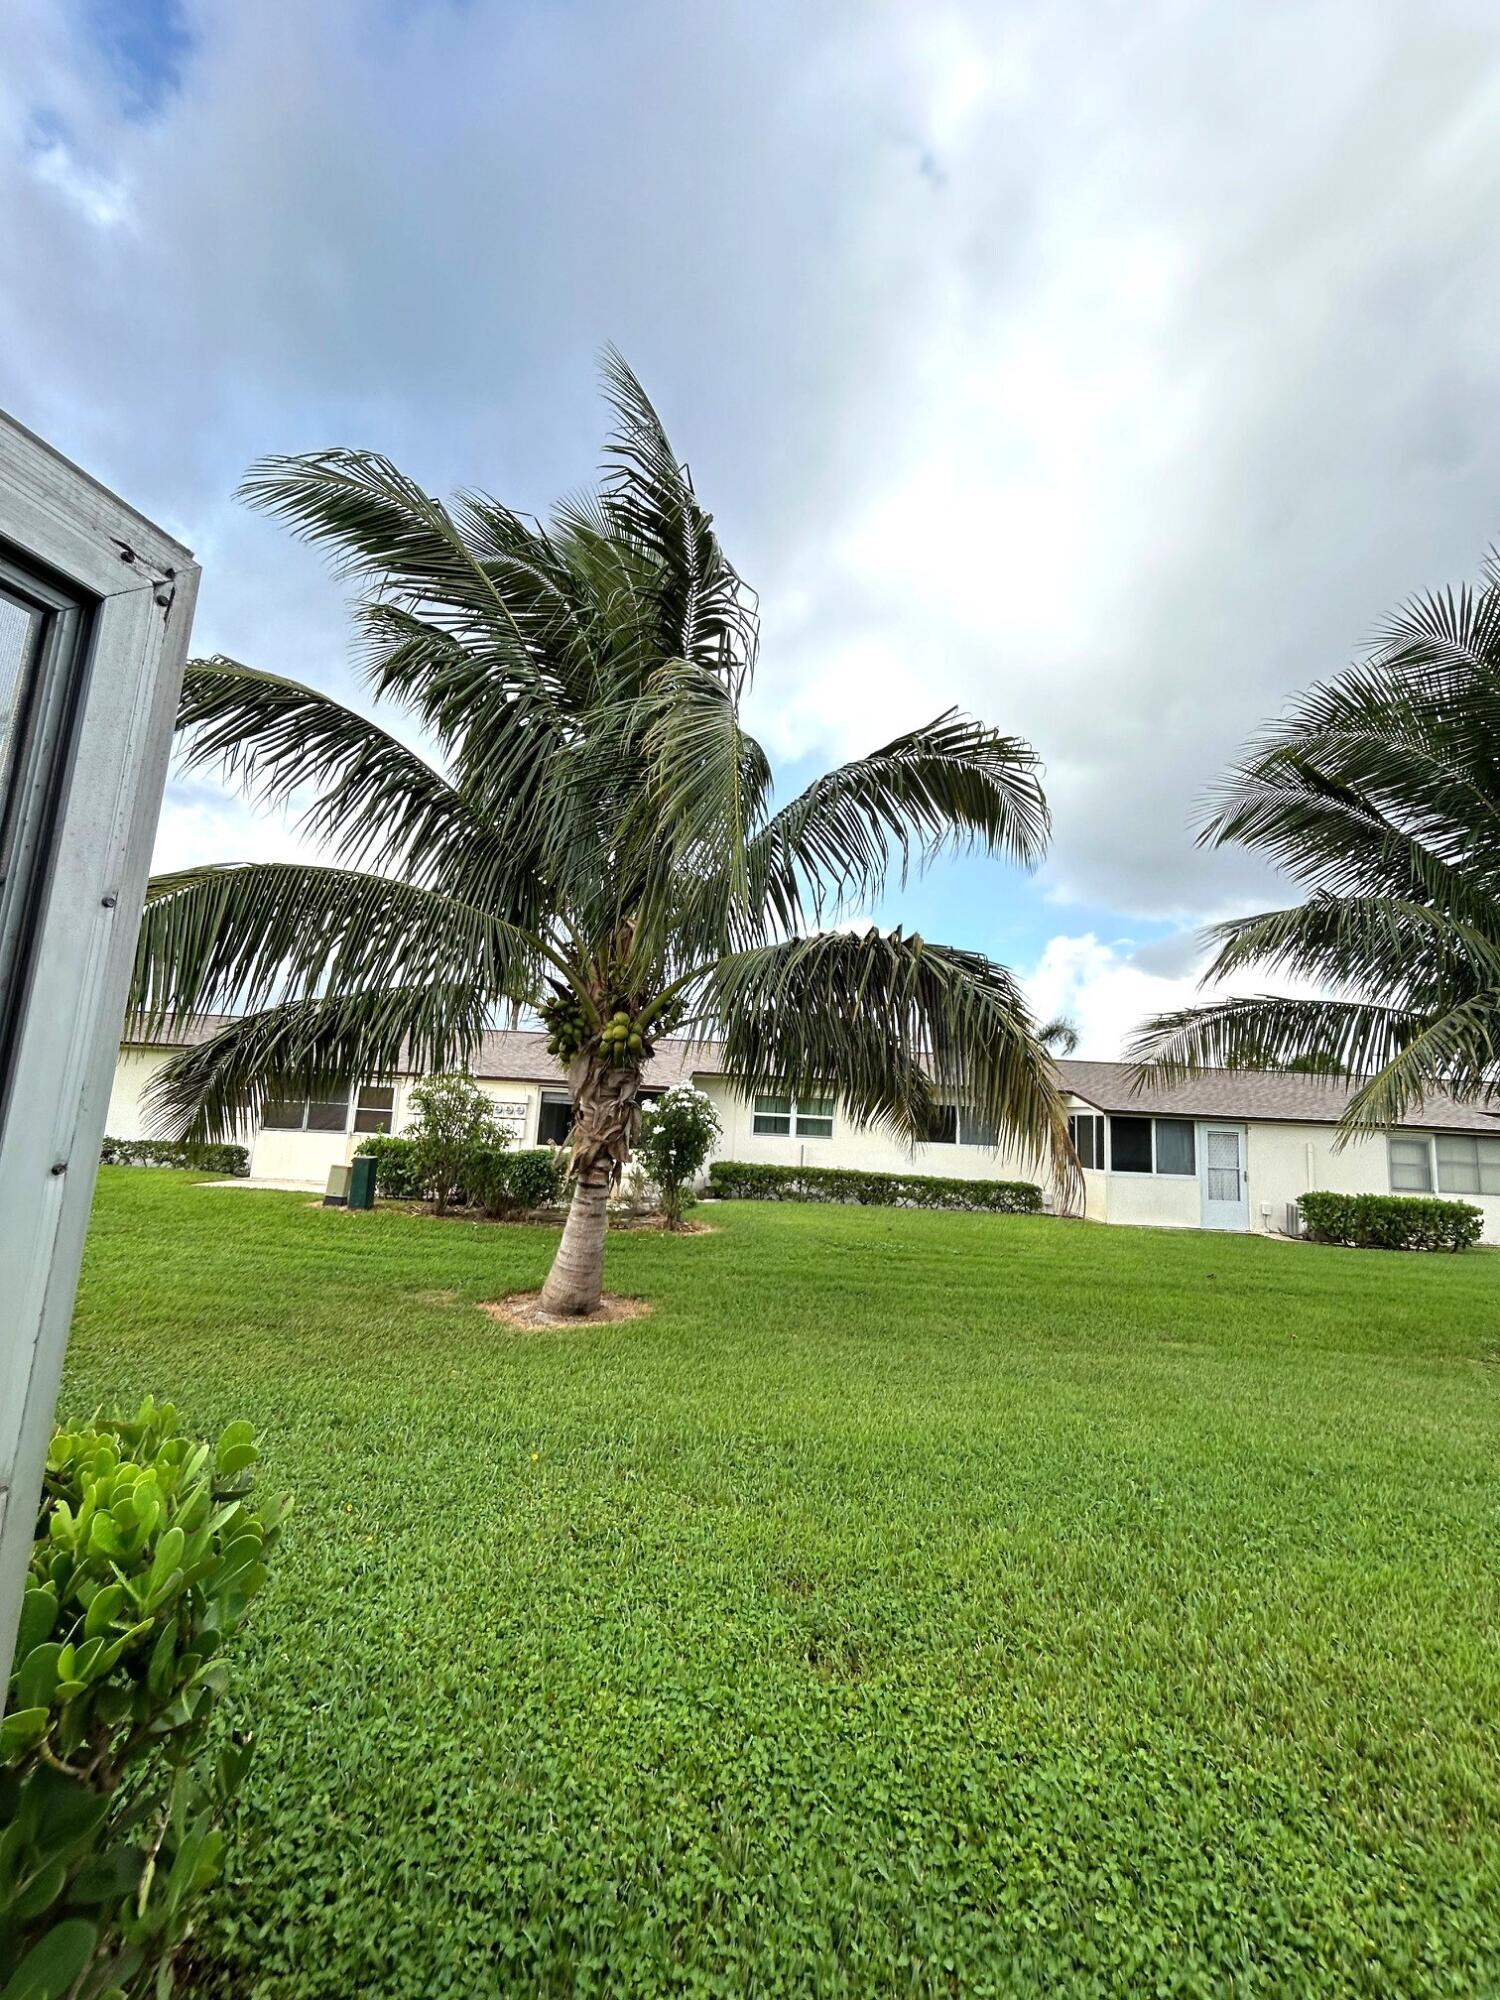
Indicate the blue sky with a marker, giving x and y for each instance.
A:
(1105, 369)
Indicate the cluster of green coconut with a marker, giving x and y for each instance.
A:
(621, 1040)
(568, 1027)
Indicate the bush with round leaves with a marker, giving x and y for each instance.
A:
(454, 1119)
(116, 1761)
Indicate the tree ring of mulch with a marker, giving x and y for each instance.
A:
(524, 1310)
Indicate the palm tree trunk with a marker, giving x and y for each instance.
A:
(608, 1117)
(577, 1276)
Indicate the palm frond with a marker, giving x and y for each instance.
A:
(241, 934)
(954, 783)
(377, 802)
(895, 1024)
(315, 1047)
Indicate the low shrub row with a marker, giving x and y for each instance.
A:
(233, 1160)
(1390, 1221)
(493, 1178)
(738, 1180)
(116, 1765)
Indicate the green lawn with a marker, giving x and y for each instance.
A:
(915, 1604)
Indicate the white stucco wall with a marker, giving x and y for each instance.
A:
(134, 1069)
(853, 1146)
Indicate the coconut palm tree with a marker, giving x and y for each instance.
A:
(601, 834)
(1059, 1037)
(1380, 794)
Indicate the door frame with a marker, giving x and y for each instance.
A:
(1242, 1135)
(130, 589)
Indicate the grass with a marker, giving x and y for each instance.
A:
(916, 1603)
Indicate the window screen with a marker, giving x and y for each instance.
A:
(1130, 1145)
(942, 1126)
(1467, 1166)
(283, 1115)
(1174, 1146)
(1086, 1130)
(976, 1131)
(328, 1114)
(815, 1117)
(1411, 1166)
(373, 1111)
(773, 1115)
(554, 1124)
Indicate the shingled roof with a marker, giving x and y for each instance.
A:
(1278, 1095)
(519, 1055)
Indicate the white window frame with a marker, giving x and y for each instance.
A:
(798, 1109)
(1101, 1138)
(1422, 1139)
(1486, 1158)
(323, 1131)
(131, 589)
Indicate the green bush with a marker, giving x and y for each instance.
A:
(678, 1133)
(506, 1183)
(737, 1180)
(1390, 1221)
(396, 1172)
(454, 1119)
(149, 1549)
(496, 1179)
(233, 1160)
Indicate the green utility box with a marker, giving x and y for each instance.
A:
(362, 1183)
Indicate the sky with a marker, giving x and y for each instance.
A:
(1107, 370)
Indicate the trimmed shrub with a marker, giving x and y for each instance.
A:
(737, 1180)
(506, 1183)
(232, 1160)
(396, 1173)
(149, 1549)
(1390, 1221)
(455, 1118)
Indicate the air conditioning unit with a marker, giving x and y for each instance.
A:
(1293, 1218)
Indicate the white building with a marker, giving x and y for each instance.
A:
(1228, 1149)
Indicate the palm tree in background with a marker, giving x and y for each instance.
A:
(1059, 1037)
(1380, 794)
(600, 836)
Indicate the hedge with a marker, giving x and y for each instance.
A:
(233, 1160)
(737, 1180)
(502, 1182)
(1390, 1221)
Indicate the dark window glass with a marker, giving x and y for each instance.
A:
(283, 1115)
(975, 1131)
(1174, 1146)
(1130, 1145)
(1087, 1133)
(328, 1114)
(942, 1126)
(554, 1125)
(773, 1116)
(373, 1112)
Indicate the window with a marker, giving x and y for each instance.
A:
(317, 1114)
(1130, 1145)
(975, 1131)
(772, 1115)
(779, 1117)
(373, 1108)
(1411, 1166)
(814, 1117)
(1150, 1146)
(1466, 1166)
(942, 1126)
(1086, 1130)
(554, 1123)
(1175, 1152)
